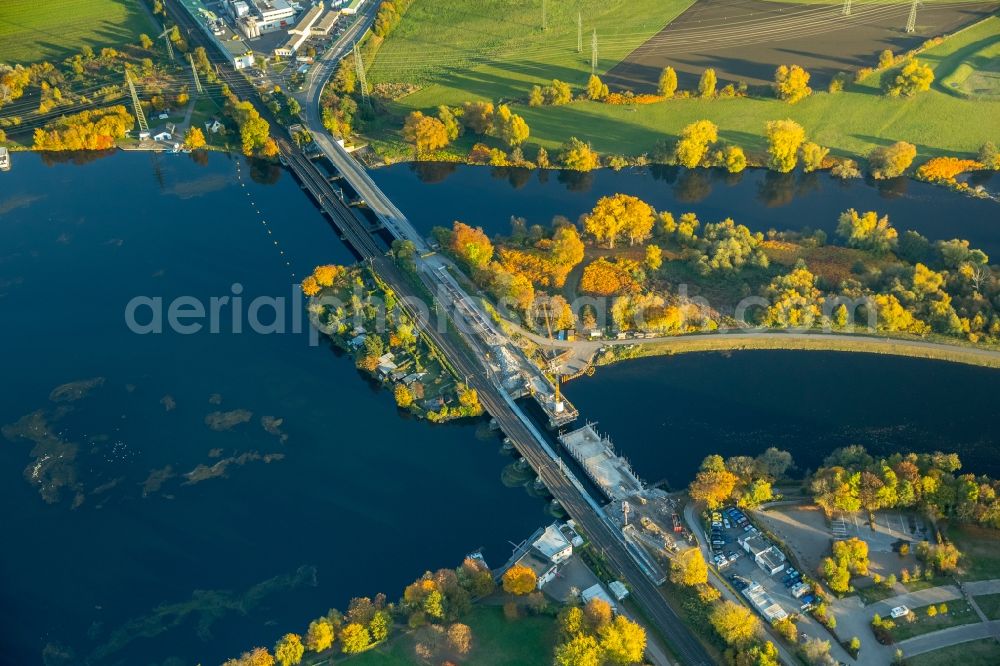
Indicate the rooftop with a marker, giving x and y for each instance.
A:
(534, 561)
(608, 470)
(552, 542)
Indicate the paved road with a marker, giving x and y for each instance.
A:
(947, 637)
(587, 348)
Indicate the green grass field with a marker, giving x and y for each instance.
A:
(31, 31)
(497, 49)
(990, 605)
(851, 123)
(980, 548)
(528, 641)
(975, 67)
(985, 652)
(959, 613)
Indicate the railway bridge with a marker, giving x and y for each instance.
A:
(459, 327)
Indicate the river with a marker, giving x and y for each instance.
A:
(171, 539)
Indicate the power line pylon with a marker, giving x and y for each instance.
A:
(579, 32)
(139, 115)
(360, 67)
(911, 21)
(194, 72)
(170, 46)
(593, 53)
(847, 8)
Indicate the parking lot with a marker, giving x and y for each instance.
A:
(783, 588)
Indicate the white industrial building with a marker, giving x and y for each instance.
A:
(765, 554)
(273, 14)
(765, 604)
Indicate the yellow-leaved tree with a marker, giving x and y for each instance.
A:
(519, 580)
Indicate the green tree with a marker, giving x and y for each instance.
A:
(707, 83)
(434, 604)
(289, 650)
(989, 156)
(784, 137)
(867, 231)
(791, 83)
(813, 155)
(891, 161)
(667, 84)
(451, 125)
(380, 625)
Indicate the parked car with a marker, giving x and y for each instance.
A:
(725, 523)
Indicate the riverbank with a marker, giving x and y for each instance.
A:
(784, 340)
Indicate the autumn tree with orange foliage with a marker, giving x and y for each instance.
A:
(255, 657)
(426, 133)
(310, 287)
(944, 169)
(620, 215)
(605, 278)
(97, 129)
(471, 245)
(519, 580)
(328, 274)
(713, 484)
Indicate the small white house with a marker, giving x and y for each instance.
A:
(215, 126)
(163, 136)
(553, 544)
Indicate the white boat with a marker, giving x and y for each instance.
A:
(4, 159)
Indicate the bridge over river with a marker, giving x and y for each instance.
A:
(490, 362)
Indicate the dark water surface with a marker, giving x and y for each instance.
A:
(363, 501)
(435, 194)
(666, 414)
(135, 560)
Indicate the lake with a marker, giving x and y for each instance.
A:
(176, 498)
